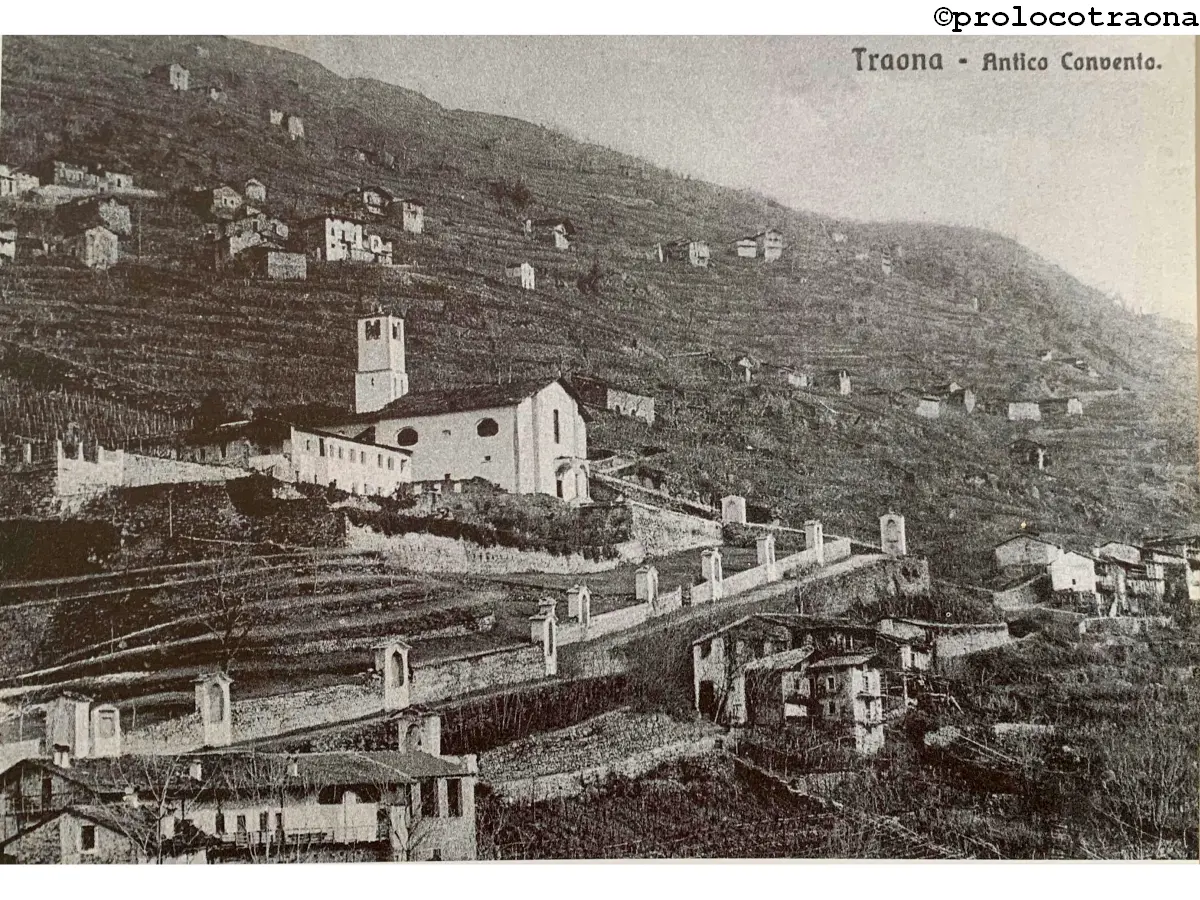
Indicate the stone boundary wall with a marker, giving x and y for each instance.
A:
(265, 717)
(740, 582)
(966, 639)
(571, 784)
(573, 632)
(78, 480)
(421, 552)
(662, 532)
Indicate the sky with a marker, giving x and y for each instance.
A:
(1093, 170)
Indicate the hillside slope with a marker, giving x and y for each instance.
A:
(161, 325)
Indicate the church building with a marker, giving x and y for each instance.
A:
(525, 437)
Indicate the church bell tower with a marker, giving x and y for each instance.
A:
(381, 377)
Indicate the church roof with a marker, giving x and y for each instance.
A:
(465, 399)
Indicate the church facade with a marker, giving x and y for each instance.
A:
(525, 437)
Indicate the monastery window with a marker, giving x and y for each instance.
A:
(395, 331)
(406, 437)
(454, 797)
(373, 329)
(264, 821)
(321, 446)
(829, 682)
(391, 463)
(279, 821)
(705, 649)
(87, 838)
(379, 461)
(362, 457)
(219, 823)
(340, 453)
(487, 428)
(487, 459)
(241, 824)
(557, 433)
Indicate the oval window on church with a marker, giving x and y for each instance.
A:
(406, 437)
(487, 428)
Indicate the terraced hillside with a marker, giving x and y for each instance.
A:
(159, 324)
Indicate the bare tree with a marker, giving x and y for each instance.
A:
(228, 610)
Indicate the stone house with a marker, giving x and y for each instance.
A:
(95, 248)
(559, 232)
(173, 74)
(694, 253)
(86, 212)
(720, 659)
(14, 182)
(768, 244)
(523, 272)
(1069, 571)
(295, 127)
(1024, 411)
(745, 248)
(255, 191)
(247, 805)
(103, 833)
(68, 174)
(336, 238)
(1062, 406)
(1029, 453)
(372, 200)
(601, 394)
(929, 406)
(221, 202)
(412, 216)
(276, 264)
(275, 116)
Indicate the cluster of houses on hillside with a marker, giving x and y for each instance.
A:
(766, 245)
(91, 801)
(1113, 579)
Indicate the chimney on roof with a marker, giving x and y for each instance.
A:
(196, 770)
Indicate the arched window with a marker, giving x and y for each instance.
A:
(406, 437)
(398, 673)
(487, 428)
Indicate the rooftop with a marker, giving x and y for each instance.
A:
(451, 400)
(843, 661)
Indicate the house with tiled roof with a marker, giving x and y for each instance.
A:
(242, 804)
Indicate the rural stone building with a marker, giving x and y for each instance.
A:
(407, 804)
(694, 253)
(172, 74)
(14, 182)
(559, 232)
(331, 238)
(768, 244)
(1024, 411)
(929, 406)
(95, 248)
(522, 272)
(295, 127)
(1070, 571)
(595, 392)
(1058, 407)
(412, 216)
(745, 248)
(255, 191)
(276, 264)
(86, 212)
(1029, 453)
(372, 200)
